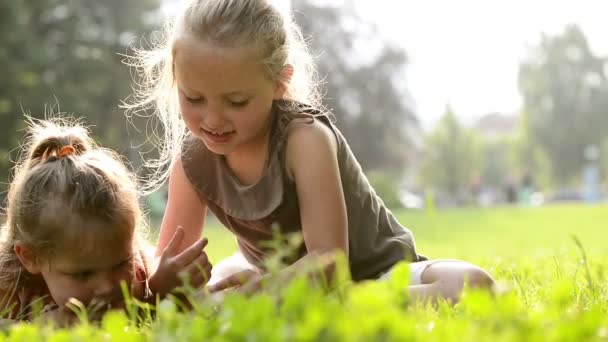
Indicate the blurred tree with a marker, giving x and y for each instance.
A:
(364, 83)
(495, 169)
(452, 157)
(527, 157)
(566, 96)
(65, 54)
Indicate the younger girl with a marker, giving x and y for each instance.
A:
(73, 228)
(260, 151)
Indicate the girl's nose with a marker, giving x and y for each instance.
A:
(105, 287)
(213, 119)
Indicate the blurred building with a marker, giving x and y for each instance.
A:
(497, 126)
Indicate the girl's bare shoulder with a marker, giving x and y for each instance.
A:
(309, 141)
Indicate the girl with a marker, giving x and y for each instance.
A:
(259, 151)
(73, 229)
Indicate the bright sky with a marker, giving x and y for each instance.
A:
(467, 52)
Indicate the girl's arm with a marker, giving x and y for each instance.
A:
(184, 208)
(180, 247)
(313, 165)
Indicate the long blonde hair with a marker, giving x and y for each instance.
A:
(62, 173)
(225, 23)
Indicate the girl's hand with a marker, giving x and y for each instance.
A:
(173, 268)
(246, 281)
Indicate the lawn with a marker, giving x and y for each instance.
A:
(551, 264)
(484, 235)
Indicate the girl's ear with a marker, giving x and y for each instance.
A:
(27, 258)
(283, 81)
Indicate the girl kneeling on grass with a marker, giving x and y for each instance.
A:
(73, 229)
(247, 138)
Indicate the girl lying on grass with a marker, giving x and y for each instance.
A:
(74, 231)
(247, 138)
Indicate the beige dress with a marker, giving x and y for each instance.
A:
(376, 240)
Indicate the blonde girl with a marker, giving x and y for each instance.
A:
(246, 137)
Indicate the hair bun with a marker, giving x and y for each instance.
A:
(66, 151)
(56, 139)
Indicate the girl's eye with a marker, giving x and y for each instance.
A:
(239, 103)
(84, 275)
(193, 100)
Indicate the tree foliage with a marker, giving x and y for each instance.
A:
(565, 94)
(364, 82)
(452, 157)
(66, 55)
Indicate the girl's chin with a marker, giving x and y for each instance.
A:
(218, 149)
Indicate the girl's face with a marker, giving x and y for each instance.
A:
(225, 99)
(88, 278)
(90, 270)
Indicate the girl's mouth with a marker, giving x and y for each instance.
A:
(218, 138)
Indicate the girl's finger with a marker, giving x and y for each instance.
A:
(222, 284)
(198, 278)
(190, 254)
(232, 280)
(174, 243)
(200, 266)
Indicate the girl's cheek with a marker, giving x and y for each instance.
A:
(187, 112)
(184, 106)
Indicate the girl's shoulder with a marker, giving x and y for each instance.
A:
(145, 261)
(314, 133)
(298, 121)
(9, 303)
(23, 299)
(309, 140)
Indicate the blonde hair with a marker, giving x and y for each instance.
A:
(225, 23)
(63, 173)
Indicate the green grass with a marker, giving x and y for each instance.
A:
(551, 289)
(482, 235)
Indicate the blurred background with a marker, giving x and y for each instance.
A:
(449, 104)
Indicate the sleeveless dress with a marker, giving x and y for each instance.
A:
(376, 240)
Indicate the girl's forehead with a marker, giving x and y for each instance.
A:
(188, 45)
(198, 61)
(93, 238)
(92, 253)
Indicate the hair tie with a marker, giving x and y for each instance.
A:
(66, 151)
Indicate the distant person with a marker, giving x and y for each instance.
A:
(73, 230)
(510, 190)
(591, 175)
(260, 150)
(526, 188)
(475, 186)
(591, 182)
